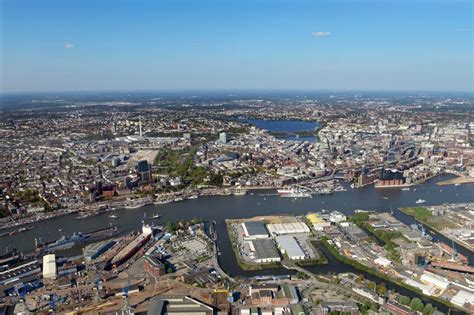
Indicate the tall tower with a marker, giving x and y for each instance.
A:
(140, 122)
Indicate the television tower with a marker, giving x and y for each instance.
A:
(141, 130)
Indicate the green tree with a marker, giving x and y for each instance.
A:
(428, 310)
(381, 289)
(371, 285)
(404, 300)
(171, 226)
(416, 305)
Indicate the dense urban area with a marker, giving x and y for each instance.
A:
(89, 158)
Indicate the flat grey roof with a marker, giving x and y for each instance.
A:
(255, 228)
(265, 248)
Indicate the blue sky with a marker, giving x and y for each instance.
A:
(70, 45)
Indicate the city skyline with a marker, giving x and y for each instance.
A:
(236, 45)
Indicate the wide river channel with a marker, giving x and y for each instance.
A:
(257, 203)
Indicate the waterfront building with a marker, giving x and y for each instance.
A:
(144, 171)
(49, 266)
(318, 223)
(462, 298)
(382, 261)
(287, 228)
(264, 250)
(290, 247)
(254, 230)
(337, 217)
(93, 251)
(20, 272)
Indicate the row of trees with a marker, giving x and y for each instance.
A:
(417, 305)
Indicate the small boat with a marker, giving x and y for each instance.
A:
(240, 192)
(134, 205)
(85, 215)
(113, 216)
(406, 189)
(162, 202)
(457, 184)
(386, 198)
(155, 216)
(420, 201)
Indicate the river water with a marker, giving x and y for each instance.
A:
(257, 203)
(287, 128)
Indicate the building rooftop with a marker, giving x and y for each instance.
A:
(265, 248)
(178, 304)
(253, 228)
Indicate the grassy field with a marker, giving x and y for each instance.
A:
(423, 215)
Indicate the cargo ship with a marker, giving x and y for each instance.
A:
(133, 247)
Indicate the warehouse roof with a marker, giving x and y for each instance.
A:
(314, 218)
(265, 248)
(289, 245)
(178, 304)
(253, 228)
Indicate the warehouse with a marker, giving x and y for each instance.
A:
(463, 297)
(434, 279)
(287, 228)
(49, 266)
(290, 292)
(289, 246)
(93, 251)
(265, 251)
(318, 222)
(382, 261)
(254, 230)
(337, 217)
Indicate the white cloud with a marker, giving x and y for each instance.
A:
(69, 45)
(321, 34)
